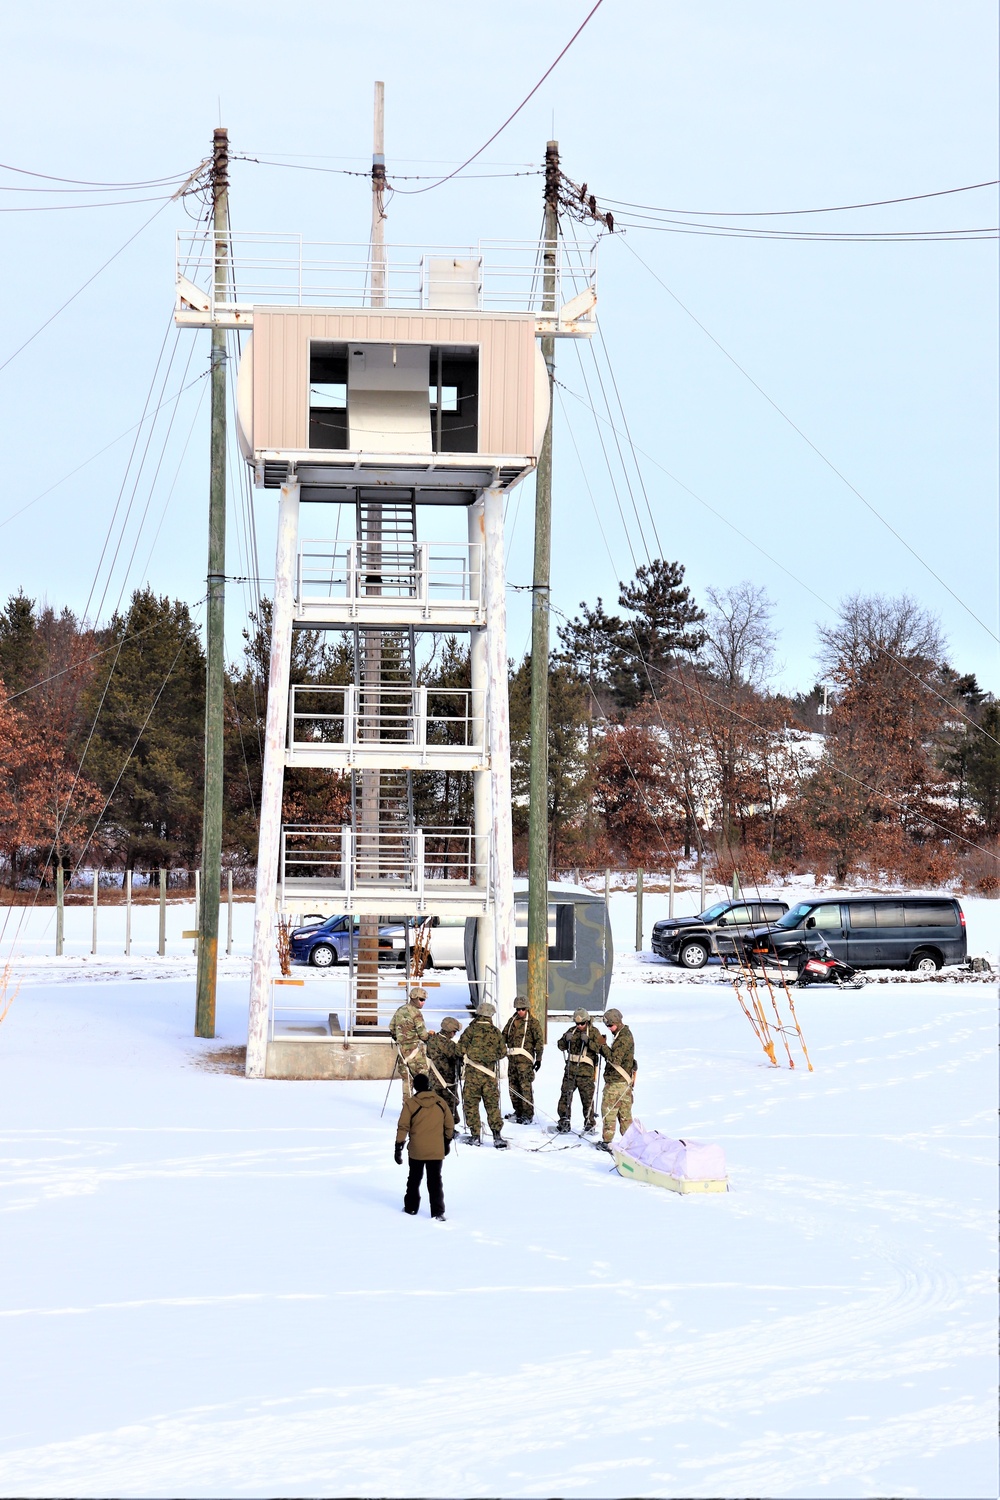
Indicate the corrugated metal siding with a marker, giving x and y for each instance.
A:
(281, 368)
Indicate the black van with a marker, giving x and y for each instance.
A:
(876, 932)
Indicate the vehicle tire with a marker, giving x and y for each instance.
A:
(925, 961)
(692, 955)
(323, 956)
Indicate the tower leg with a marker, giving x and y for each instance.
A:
(482, 787)
(274, 774)
(498, 722)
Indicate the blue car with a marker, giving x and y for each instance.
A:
(324, 944)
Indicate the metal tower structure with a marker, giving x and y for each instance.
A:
(390, 436)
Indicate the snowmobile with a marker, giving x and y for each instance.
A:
(817, 965)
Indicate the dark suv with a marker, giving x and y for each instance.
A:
(690, 941)
(872, 932)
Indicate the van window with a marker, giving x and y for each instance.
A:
(796, 916)
(889, 914)
(939, 914)
(827, 916)
(861, 914)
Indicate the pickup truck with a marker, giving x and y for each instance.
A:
(691, 941)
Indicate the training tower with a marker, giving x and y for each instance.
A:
(388, 404)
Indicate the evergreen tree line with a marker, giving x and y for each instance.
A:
(666, 740)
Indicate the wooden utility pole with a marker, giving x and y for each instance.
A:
(366, 1007)
(211, 827)
(538, 814)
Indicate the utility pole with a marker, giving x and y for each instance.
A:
(366, 1007)
(538, 814)
(211, 835)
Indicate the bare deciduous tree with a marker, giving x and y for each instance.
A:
(872, 627)
(739, 636)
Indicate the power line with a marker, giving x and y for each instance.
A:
(94, 456)
(99, 186)
(757, 547)
(839, 771)
(881, 237)
(20, 349)
(809, 442)
(552, 66)
(779, 213)
(397, 177)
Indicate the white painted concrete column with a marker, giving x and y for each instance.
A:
(273, 779)
(482, 790)
(498, 735)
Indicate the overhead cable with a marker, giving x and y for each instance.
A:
(809, 443)
(83, 288)
(757, 548)
(513, 116)
(782, 213)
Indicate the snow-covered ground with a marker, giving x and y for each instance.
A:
(209, 1287)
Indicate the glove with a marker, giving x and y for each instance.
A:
(398, 1154)
(538, 1065)
(447, 1147)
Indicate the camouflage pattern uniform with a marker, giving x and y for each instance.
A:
(523, 1036)
(408, 1031)
(616, 1101)
(482, 1046)
(445, 1063)
(583, 1045)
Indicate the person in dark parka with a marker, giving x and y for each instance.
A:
(427, 1120)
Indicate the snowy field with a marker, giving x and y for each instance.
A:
(209, 1288)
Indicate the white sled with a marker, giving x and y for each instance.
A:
(641, 1173)
(680, 1166)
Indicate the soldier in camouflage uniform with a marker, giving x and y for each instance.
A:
(408, 1031)
(445, 1063)
(583, 1045)
(525, 1045)
(482, 1046)
(619, 1078)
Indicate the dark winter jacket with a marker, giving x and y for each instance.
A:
(428, 1121)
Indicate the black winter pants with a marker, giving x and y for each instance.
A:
(435, 1191)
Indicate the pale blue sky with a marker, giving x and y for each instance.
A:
(884, 354)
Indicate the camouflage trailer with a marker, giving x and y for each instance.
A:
(581, 950)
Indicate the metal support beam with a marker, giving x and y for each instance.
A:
(273, 778)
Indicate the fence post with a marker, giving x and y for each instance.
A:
(670, 909)
(128, 913)
(229, 920)
(638, 911)
(162, 945)
(93, 940)
(60, 910)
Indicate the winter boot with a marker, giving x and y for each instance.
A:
(472, 1140)
(499, 1143)
(563, 1128)
(603, 1146)
(440, 1219)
